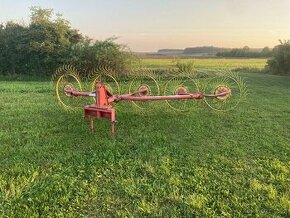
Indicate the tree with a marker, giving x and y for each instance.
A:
(280, 62)
(37, 48)
(246, 49)
(266, 52)
(91, 55)
(49, 41)
(13, 41)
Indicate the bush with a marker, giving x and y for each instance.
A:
(184, 67)
(49, 41)
(280, 62)
(102, 54)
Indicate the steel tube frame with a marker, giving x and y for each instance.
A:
(131, 97)
(103, 107)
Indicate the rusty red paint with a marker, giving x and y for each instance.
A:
(103, 107)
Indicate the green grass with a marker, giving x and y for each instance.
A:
(160, 164)
(208, 63)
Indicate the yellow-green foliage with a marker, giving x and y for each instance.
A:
(215, 63)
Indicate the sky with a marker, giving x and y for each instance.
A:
(149, 25)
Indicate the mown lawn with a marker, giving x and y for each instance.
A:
(160, 164)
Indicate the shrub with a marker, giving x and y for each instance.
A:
(280, 62)
(102, 54)
(49, 41)
(184, 67)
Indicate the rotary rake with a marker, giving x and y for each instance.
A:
(220, 91)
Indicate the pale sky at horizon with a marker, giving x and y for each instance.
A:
(155, 24)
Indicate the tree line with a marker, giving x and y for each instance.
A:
(246, 52)
(209, 50)
(48, 41)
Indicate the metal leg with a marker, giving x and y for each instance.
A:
(92, 125)
(113, 128)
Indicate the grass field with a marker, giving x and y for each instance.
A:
(160, 164)
(207, 63)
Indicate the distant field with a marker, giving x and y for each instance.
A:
(160, 164)
(207, 63)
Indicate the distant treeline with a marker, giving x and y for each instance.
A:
(207, 50)
(169, 51)
(220, 52)
(210, 50)
(246, 52)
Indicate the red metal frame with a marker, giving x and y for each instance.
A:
(103, 107)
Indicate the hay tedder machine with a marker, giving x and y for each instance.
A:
(221, 91)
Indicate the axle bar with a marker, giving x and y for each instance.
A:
(197, 95)
(131, 97)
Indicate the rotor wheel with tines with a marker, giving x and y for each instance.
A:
(109, 81)
(181, 86)
(151, 88)
(65, 82)
(230, 84)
